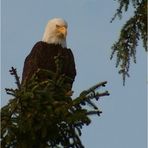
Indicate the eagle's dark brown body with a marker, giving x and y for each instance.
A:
(42, 57)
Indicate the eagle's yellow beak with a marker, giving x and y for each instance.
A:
(63, 31)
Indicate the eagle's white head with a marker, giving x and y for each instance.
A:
(56, 32)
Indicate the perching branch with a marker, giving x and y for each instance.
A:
(44, 104)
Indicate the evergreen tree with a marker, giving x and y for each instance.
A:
(42, 114)
(132, 31)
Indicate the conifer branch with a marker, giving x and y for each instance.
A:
(44, 105)
(132, 31)
(13, 72)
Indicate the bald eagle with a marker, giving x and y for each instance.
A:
(43, 53)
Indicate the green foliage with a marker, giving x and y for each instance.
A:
(42, 114)
(133, 30)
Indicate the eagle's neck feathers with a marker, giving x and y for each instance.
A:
(55, 40)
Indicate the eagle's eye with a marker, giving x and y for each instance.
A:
(57, 26)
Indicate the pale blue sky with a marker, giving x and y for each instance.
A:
(123, 121)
